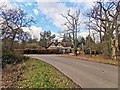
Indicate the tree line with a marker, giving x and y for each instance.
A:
(104, 32)
(12, 21)
(103, 21)
(102, 25)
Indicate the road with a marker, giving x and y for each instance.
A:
(84, 73)
(0, 75)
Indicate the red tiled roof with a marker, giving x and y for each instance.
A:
(56, 43)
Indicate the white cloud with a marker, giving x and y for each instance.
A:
(29, 3)
(34, 31)
(48, 0)
(36, 11)
(82, 0)
(4, 0)
(20, 0)
(90, 0)
(53, 12)
(57, 36)
(83, 34)
(25, 0)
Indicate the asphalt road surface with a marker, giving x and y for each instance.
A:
(0, 75)
(84, 73)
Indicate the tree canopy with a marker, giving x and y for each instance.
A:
(12, 22)
(45, 37)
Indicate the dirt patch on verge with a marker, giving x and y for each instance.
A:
(98, 59)
(11, 74)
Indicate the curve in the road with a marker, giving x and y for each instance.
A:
(84, 73)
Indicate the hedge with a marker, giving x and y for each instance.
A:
(43, 51)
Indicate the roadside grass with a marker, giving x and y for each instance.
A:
(38, 74)
(98, 58)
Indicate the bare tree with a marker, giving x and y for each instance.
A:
(73, 23)
(12, 22)
(104, 20)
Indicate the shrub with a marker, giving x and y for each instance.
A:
(12, 57)
(87, 51)
(8, 58)
(42, 51)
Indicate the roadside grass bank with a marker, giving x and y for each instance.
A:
(97, 58)
(35, 73)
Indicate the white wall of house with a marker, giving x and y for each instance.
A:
(59, 46)
(52, 46)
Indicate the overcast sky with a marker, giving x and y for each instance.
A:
(47, 13)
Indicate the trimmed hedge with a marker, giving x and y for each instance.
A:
(43, 51)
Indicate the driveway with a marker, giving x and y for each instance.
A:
(84, 73)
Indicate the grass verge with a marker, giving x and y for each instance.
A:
(38, 74)
(97, 58)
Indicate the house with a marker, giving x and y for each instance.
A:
(62, 46)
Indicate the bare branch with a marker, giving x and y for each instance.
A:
(66, 19)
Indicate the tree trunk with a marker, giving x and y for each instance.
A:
(90, 52)
(100, 36)
(113, 49)
(116, 41)
(12, 43)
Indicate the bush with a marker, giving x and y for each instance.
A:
(12, 57)
(43, 51)
(8, 58)
(87, 51)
